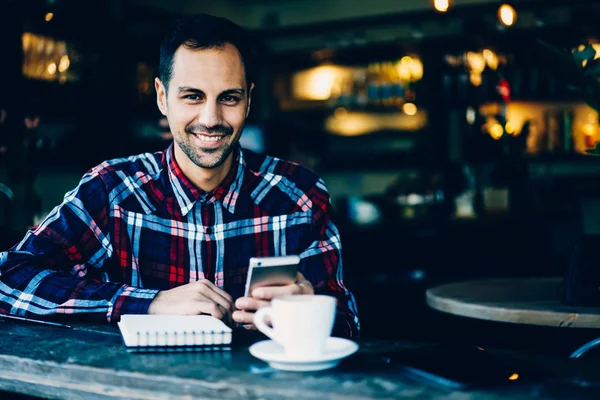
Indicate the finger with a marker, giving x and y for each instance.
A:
(250, 327)
(217, 289)
(300, 277)
(208, 307)
(306, 287)
(246, 319)
(250, 304)
(267, 293)
(227, 316)
(210, 291)
(243, 317)
(220, 291)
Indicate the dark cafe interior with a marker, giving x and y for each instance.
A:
(459, 143)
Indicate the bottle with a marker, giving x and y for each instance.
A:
(387, 84)
(345, 99)
(553, 130)
(567, 130)
(373, 85)
(361, 97)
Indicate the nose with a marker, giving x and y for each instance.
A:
(210, 115)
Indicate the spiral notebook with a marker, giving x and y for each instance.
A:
(172, 333)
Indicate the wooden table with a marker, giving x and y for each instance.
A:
(532, 301)
(89, 362)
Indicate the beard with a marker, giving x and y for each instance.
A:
(207, 157)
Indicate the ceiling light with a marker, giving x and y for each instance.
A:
(507, 15)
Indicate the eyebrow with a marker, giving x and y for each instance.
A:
(187, 89)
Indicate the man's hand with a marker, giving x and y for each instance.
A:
(261, 297)
(201, 297)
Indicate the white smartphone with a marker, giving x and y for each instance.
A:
(271, 271)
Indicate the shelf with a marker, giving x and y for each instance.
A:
(378, 166)
(326, 107)
(542, 101)
(551, 165)
(580, 166)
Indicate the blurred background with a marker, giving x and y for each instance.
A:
(448, 136)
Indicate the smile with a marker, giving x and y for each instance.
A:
(205, 138)
(209, 141)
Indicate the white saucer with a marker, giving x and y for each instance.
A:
(272, 352)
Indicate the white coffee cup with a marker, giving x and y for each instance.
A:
(301, 323)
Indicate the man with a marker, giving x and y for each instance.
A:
(172, 232)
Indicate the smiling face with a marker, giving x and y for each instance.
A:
(206, 103)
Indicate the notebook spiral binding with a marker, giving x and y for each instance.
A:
(181, 342)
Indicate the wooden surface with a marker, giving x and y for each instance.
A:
(532, 301)
(89, 363)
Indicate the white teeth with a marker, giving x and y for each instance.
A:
(209, 138)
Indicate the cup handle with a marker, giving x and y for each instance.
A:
(261, 325)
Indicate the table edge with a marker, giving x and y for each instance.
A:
(515, 316)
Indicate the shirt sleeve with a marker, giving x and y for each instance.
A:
(58, 268)
(321, 264)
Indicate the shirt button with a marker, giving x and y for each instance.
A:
(208, 230)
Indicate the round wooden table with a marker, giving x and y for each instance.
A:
(533, 301)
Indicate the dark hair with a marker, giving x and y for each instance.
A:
(203, 31)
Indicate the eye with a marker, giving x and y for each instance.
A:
(230, 99)
(192, 97)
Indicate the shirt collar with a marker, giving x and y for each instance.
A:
(227, 192)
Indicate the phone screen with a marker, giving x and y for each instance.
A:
(271, 271)
(464, 367)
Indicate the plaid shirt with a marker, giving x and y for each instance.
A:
(135, 226)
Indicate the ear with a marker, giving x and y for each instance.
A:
(161, 96)
(249, 99)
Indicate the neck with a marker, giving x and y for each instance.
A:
(205, 179)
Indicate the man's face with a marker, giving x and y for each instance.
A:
(207, 104)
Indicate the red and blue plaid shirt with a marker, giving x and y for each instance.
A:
(135, 226)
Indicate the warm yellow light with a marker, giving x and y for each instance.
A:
(496, 131)
(409, 69)
(588, 129)
(441, 5)
(475, 61)
(318, 83)
(510, 128)
(52, 68)
(64, 63)
(374, 68)
(507, 14)
(144, 87)
(416, 69)
(513, 377)
(490, 59)
(403, 71)
(452, 60)
(49, 17)
(475, 78)
(44, 57)
(362, 123)
(340, 112)
(26, 41)
(409, 108)
(595, 46)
